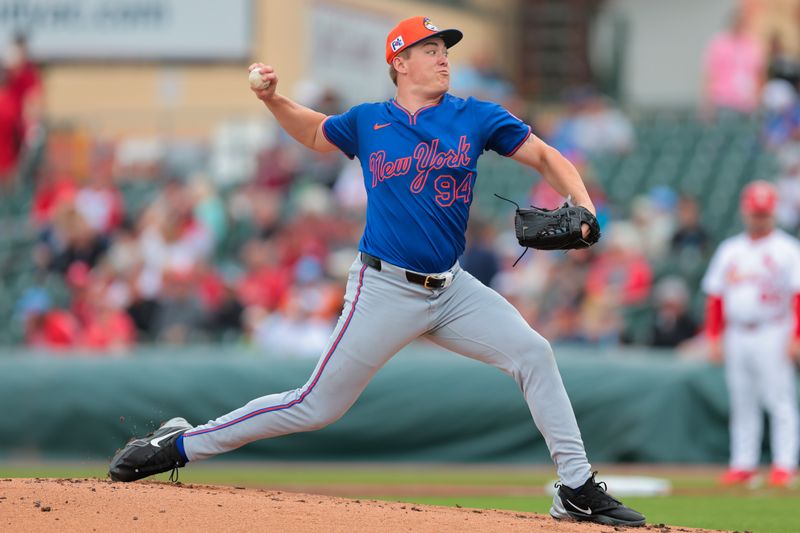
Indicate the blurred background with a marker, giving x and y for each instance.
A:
(152, 210)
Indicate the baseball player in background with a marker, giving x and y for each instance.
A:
(753, 318)
(418, 153)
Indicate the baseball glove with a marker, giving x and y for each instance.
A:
(555, 229)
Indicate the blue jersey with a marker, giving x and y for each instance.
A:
(419, 172)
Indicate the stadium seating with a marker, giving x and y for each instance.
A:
(712, 161)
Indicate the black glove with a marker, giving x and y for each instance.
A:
(555, 229)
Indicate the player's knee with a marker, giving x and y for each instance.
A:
(536, 351)
(324, 416)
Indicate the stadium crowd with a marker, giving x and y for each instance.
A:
(263, 260)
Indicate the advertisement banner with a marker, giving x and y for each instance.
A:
(130, 29)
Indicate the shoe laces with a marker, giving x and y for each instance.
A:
(600, 494)
(173, 476)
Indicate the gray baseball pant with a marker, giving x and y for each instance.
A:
(382, 313)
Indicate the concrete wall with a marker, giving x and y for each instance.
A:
(189, 99)
(663, 61)
(666, 40)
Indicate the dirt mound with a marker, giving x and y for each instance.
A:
(98, 505)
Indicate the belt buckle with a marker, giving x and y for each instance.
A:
(447, 277)
(427, 279)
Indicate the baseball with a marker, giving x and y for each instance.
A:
(255, 80)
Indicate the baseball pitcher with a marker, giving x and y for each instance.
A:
(753, 313)
(418, 153)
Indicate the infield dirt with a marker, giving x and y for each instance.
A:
(39, 505)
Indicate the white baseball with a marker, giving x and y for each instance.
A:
(255, 80)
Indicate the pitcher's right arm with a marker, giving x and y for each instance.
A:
(302, 123)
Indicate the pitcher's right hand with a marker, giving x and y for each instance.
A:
(267, 74)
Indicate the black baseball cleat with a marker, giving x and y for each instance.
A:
(153, 454)
(591, 503)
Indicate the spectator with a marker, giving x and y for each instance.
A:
(620, 271)
(592, 125)
(564, 134)
(265, 281)
(75, 241)
(276, 168)
(172, 240)
(46, 328)
(600, 322)
(209, 210)
(8, 140)
(143, 304)
(291, 333)
(78, 278)
(653, 217)
(349, 191)
(124, 256)
(209, 285)
(307, 315)
(689, 236)
(601, 128)
(227, 318)
(54, 189)
(172, 244)
(481, 78)
(257, 210)
(105, 327)
(480, 258)
(673, 323)
(318, 297)
(522, 284)
(100, 203)
(618, 281)
(26, 88)
(734, 67)
(563, 295)
(782, 65)
(781, 125)
(266, 213)
(179, 316)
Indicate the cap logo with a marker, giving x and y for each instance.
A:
(428, 24)
(397, 44)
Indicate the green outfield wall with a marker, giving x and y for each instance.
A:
(425, 405)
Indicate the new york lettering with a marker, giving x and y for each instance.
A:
(427, 157)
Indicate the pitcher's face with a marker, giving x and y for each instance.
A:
(428, 66)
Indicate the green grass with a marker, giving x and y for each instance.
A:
(696, 502)
(265, 474)
(767, 514)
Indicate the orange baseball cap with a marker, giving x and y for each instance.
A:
(759, 197)
(409, 32)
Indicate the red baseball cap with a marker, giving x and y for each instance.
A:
(759, 197)
(409, 32)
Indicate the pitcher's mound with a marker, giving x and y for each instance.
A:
(48, 505)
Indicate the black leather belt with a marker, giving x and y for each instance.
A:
(429, 282)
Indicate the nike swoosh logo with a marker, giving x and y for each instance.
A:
(155, 442)
(379, 126)
(588, 510)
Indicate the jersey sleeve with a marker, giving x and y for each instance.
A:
(502, 132)
(714, 279)
(342, 131)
